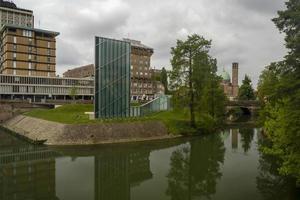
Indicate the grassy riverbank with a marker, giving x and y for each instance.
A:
(177, 121)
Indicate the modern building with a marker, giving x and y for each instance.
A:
(231, 87)
(43, 89)
(112, 78)
(143, 85)
(27, 51)
(86, 71)
(10, 14)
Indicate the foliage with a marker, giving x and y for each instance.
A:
(279, 89)
(73, 92)
(164, 79)
(246, 91)
(193, 79)
(195, 169)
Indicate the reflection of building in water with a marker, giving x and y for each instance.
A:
(234, 138)
(26, 172)
(114, 175)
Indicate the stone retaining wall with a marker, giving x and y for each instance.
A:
(63, 134)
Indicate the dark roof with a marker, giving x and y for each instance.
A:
(30, 29)
(11, 5)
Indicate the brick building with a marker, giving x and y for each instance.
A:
(86, 71)
(231, 87)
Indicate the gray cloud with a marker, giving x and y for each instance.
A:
(241, 30)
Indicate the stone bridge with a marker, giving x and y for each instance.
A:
(249, 107)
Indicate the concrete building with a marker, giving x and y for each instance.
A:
(86, 71)
(43, 89)
(10, 14)
(231, 87)
(24, 50)
(27, 51)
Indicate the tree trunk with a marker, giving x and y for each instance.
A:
(192, 95)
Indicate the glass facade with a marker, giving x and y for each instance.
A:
(112, 78)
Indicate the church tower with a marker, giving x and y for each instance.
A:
(235, 79)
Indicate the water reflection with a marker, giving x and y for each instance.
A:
(218, 166)
(26, 172)
(195, 168)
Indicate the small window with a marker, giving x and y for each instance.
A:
(14, 64)
(15, 39)
(48, 44)
(15, 55)
(15, 72)
(29, 65)
(48, 59)
(30, 49)
(29, 57)
(15, 47)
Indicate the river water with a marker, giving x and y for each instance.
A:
(226, 165)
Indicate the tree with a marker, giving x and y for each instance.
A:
(246, 91)
(164, 79)
(73, 93)
(279, 86)
(193, 79)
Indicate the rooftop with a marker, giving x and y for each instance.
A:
(136, 43)
(30, 29)
(11, 5)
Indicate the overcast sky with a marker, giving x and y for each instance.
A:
(241, 30)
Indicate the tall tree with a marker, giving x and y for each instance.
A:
(183, 60)
(164, 79)
(246, 91)
(279, 86)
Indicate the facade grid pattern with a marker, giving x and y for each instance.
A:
(112, 78)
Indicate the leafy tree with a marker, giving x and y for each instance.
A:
(73, 93)
(193, 79)
(279, 86)
(246, 91)
(164, 79)
(195, 169)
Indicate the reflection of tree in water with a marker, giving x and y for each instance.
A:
(247, 135)
(195, 169)
(270, 184)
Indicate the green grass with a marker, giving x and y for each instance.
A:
(68, 114)
(177, 121)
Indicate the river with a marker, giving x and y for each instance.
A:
(225, 165)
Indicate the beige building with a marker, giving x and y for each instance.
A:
(12, 15)
(27, 51)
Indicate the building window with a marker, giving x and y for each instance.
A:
(29, 73)
(48, 59)
(48, 67)
(15, 56)
(48, 52)
(15, 39)
(29, 57)
(30, 41)
(14, 64)
(29, 65)
(48, 44)
(27, 33)
(15, 72)
(30, 49)
(15, 47)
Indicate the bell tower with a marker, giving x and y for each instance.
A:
(235, 79)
